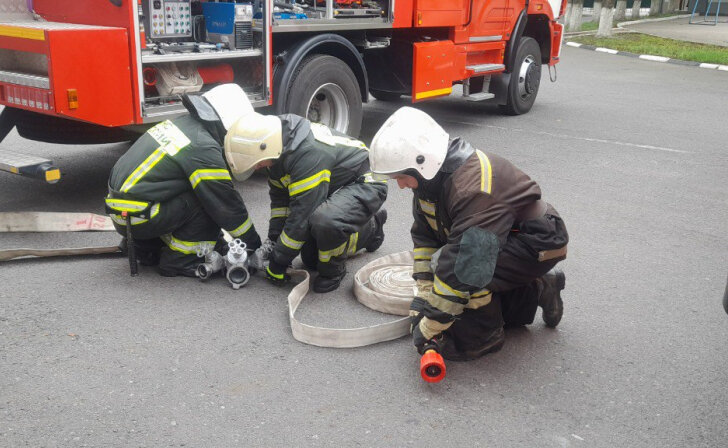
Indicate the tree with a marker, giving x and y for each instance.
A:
(636, 9)
(577, 8)
(605, 19)
(621, 11)
(655, 7)
(597, 10)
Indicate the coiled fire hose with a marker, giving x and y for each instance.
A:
(384, 285)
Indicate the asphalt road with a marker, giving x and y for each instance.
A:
(633, 155)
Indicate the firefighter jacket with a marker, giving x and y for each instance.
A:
(466, 213)
(175, 157)
(315, 162)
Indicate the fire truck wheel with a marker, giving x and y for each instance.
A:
(525, 78)
(381, 95)
(325, 90)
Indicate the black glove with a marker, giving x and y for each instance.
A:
(423, 344)
(252, 243)
(276, 273)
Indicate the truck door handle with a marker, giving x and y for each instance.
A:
(116, 2)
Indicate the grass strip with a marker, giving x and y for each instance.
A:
(658, 46)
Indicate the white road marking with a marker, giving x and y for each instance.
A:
(650, 57)
(711, 66)
(552, 134)
(606, 50)
(573, 44)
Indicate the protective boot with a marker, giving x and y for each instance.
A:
(377, 239)
(549, 299)
(449, 350)
(324, 283)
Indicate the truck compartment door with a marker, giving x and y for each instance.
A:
(432, 69)
(430, 13)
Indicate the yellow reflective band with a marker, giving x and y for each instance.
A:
(353, 241)
(443, 304)
(424, 253)
(326, 255)
(431, 93)
(186, 247)
(431, 222)
(427, 207)
(170, 138)
(22, 32)
(479, 299)
(278, 276)
(154, 158)
(431, 328)
(209, 174)
(276, 184)
(486, 176)
(375, 178)
(244, 227)
(421, 266)
(125, 205)
(290, 242)
(286, 180)
(308, 183)
(122, 222)
(155, 210)
(279, 212)
(444, 289)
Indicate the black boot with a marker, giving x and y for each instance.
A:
(324, 283)
(451, 352)
(377, 239)
(550, 298)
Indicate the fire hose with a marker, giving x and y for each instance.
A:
(383, 285)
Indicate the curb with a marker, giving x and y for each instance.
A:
(658, 19)
(649, 57)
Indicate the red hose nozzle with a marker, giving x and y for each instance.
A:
(432, 367)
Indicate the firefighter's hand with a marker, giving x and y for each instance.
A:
(416, 307)
(276, 273)
(422, 343)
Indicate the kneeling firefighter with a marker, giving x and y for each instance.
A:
(174, 187)
(484, 241)
(324, 202)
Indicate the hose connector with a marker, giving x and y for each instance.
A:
(236, 264)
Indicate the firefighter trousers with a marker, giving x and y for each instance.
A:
(175, 233)
(341, 226)
(516, 285)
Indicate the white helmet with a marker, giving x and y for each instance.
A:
(409, 139)
(230, 102)
(250, 140)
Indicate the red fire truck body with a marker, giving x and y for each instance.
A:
(91, 71)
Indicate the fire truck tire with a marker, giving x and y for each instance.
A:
(381, 95)
(325, 90)
(525, 78)
(50, 129)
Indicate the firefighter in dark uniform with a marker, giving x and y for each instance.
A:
(324, 202)
(176, 186)
(484, 241)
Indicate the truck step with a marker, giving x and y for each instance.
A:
(31, 166)
(485, 68)
(480, 96)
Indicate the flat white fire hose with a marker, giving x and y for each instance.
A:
(54, 222)
(384, 285)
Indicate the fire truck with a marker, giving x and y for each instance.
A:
(101, 71)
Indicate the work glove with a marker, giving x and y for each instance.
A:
(423, 344)
(276, 273)
(421, 289)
